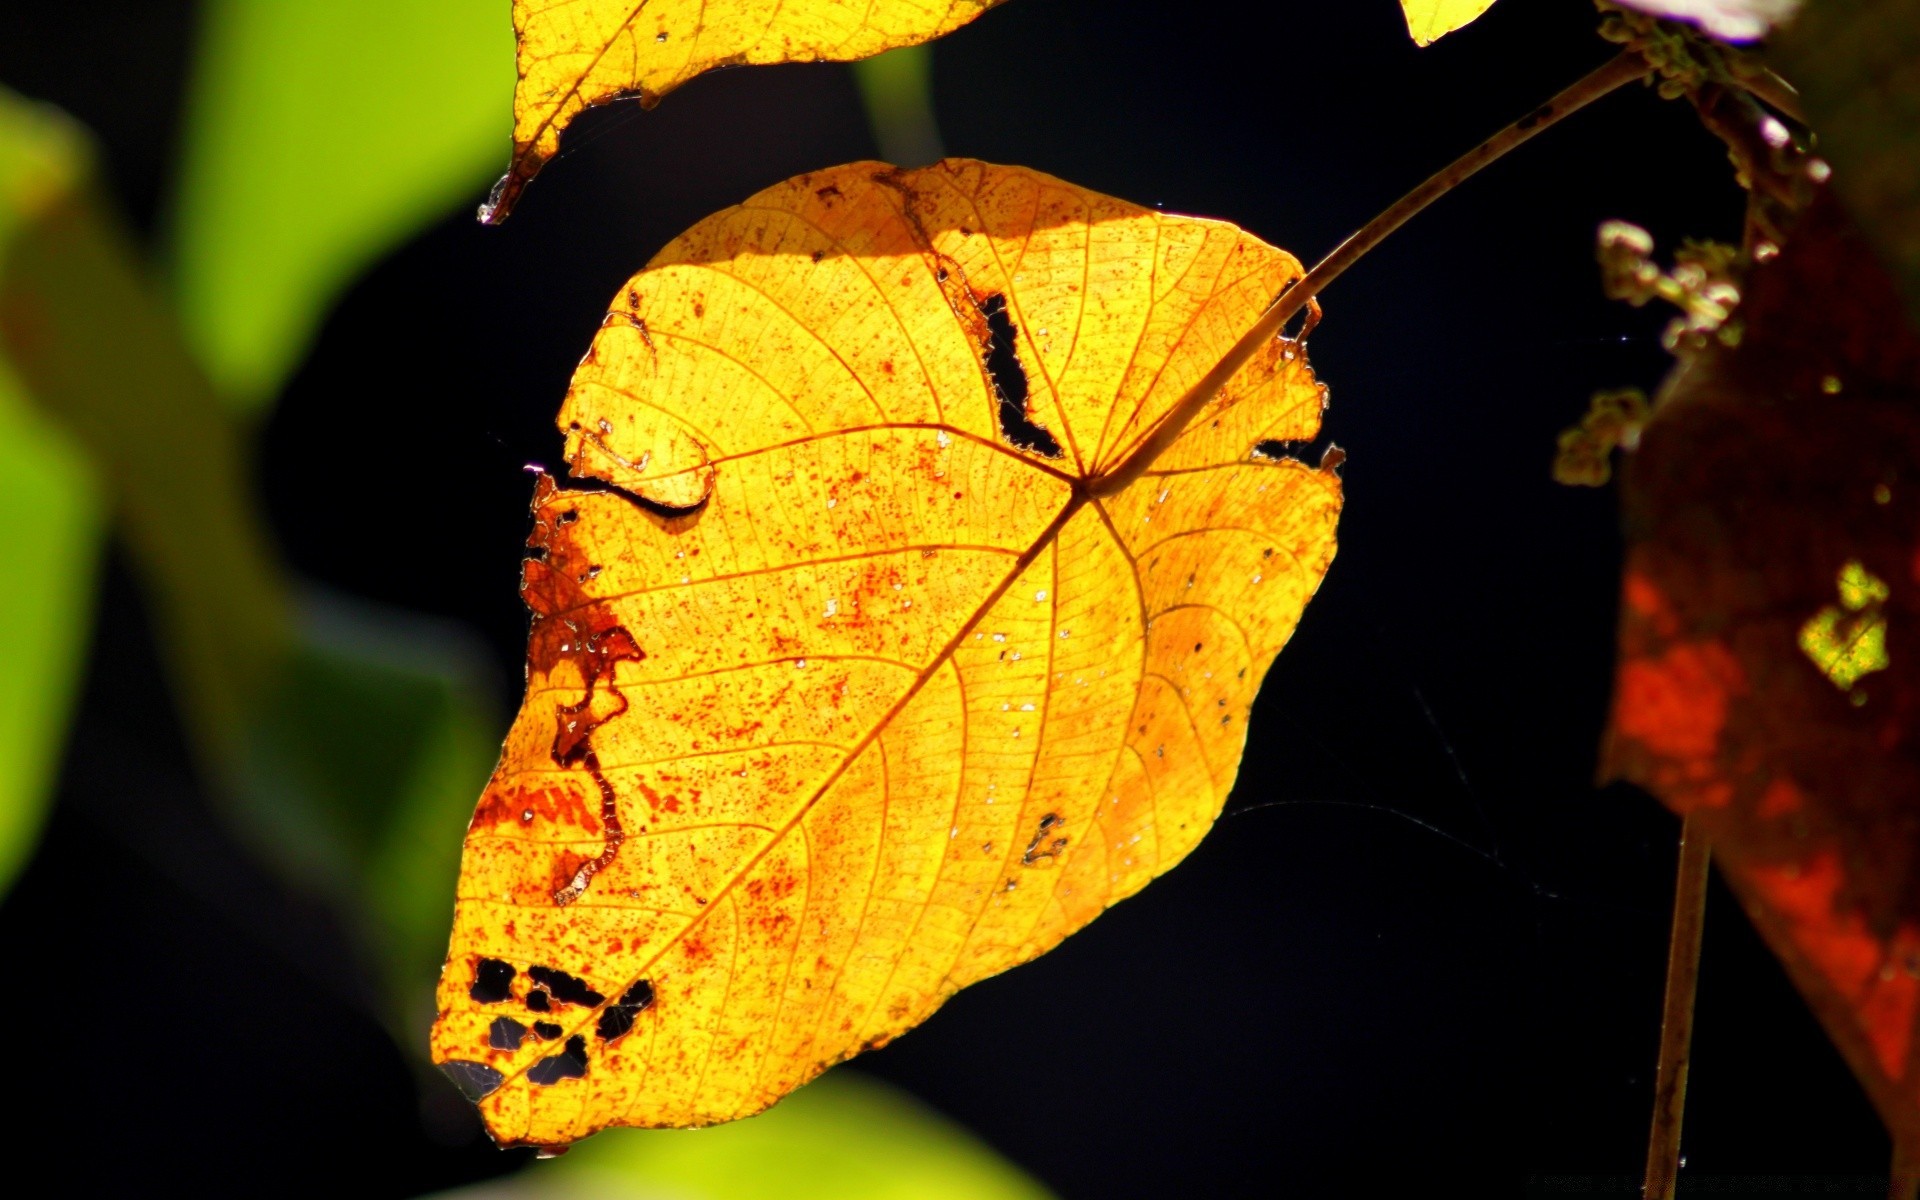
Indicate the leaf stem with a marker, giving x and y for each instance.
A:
(1775, 92)
(1624, 68)
(1676, 1022)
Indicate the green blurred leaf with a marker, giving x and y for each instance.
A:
(97, 351)
(349, 742)
(320, 134)
(844, 1136)
(365, 760)
(50, 527)
(1857, 66)
(897, 90)
(50, 516)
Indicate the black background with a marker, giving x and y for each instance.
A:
(1421, 949)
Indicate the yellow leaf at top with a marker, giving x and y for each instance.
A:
(1430, 20)
(574, 54)
(873, 661)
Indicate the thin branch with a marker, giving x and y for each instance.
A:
(1774, 92)
(1615, 73)
(1676, 1022)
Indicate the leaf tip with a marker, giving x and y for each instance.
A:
(506, 191)
(1430, 20)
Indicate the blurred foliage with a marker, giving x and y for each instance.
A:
(50, 515)
(844, 1136)
(50, 524)
(321, 134)
(72, 288)
(50, 518)
(346, 743)
(1857, 65)
(897, 91)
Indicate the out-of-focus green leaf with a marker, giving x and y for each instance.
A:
(1857, 65)
(366, 760)
(320, 133)
(411, 872)
(349, 743)
(50, 515)
(897, 90)
(97, 351)
(50, 524)
(844, 1136)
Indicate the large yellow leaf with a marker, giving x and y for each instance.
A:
(853, 684)
(578, 53)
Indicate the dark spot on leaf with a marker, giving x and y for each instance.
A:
(476, 1081)
(1002, 357)
(617, 1019)
(566, 988)
(492, 982)
(1043, 848)
(570, 1063)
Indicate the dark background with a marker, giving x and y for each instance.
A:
(1422, 948)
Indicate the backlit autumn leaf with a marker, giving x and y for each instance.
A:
(574, 54)
(872, 664)
(1769, 682)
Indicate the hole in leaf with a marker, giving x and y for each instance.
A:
(567, 989)
(570, 1063)
(476, 1081)
(618, 1018)
(1002, 358)
(1320, 450)
(1296, 327)
(506, 1033)
(492, 981)
(1043, 848)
